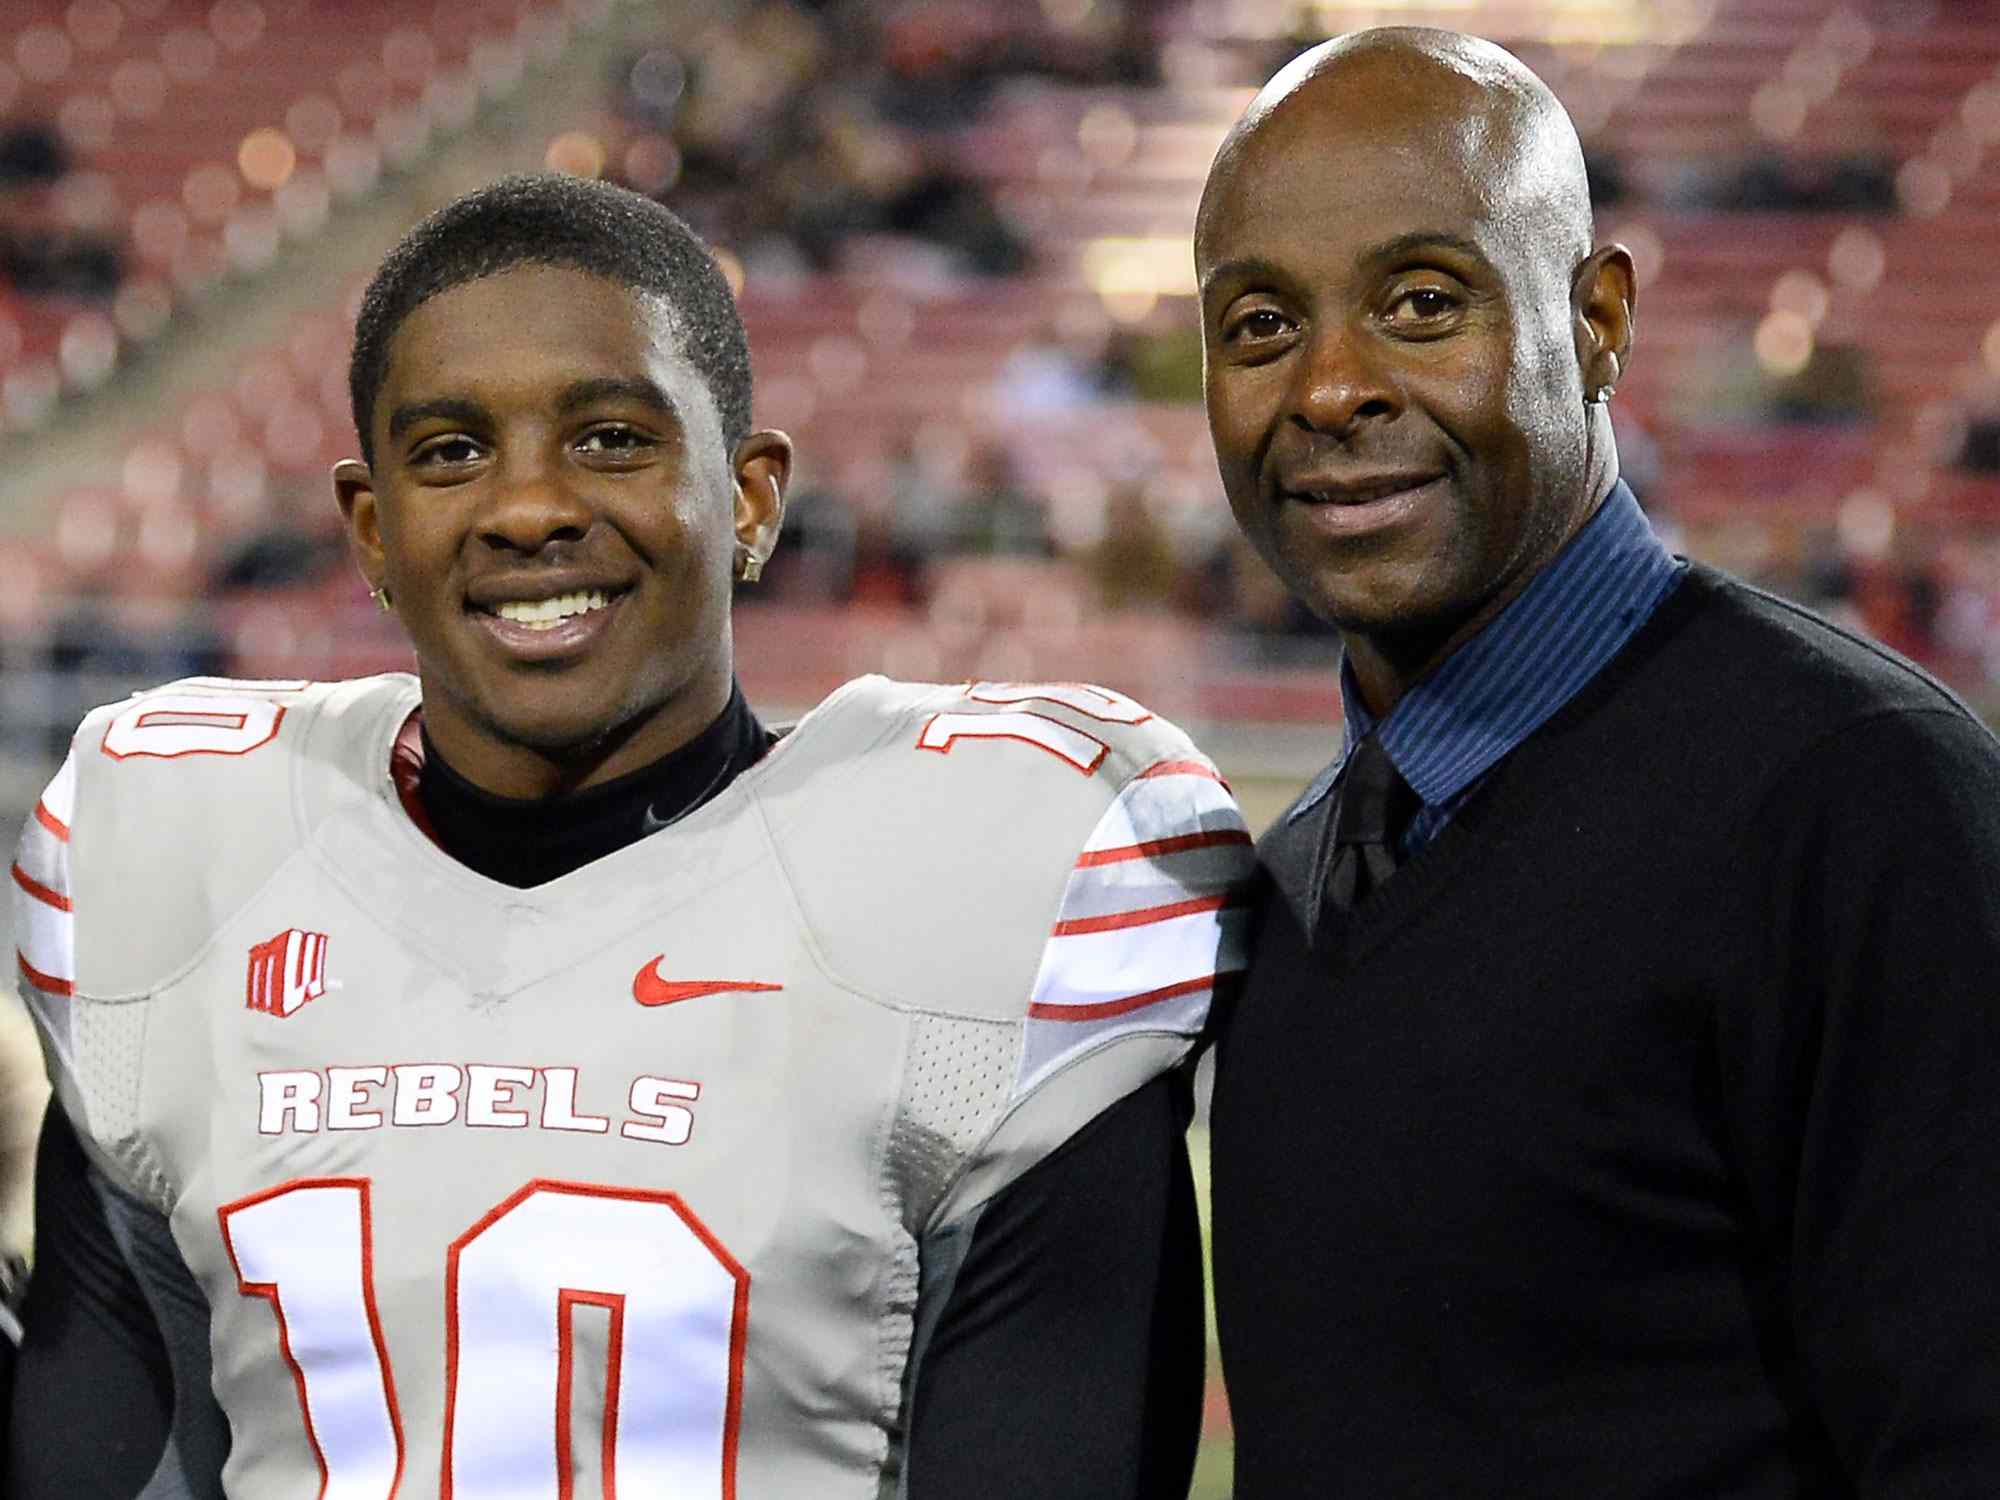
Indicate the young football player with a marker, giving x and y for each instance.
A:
(534, 1078)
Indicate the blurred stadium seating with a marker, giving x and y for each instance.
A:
(960, 234)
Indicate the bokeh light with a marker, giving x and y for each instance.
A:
(1856, 259)
(1923, 188)
(1801, 294)
(1980, 110)
(251, 238)
(152, 473)
(1107, 135)
(577, 152)
(88, 352)
(1778, 110)
(303, 204)
(657, 81)
(1784, 343)
(266, 158)
(43, 53)
(1867, 524)
(651, 164)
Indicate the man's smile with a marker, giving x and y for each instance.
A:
(1356, 508)
(1354, 489)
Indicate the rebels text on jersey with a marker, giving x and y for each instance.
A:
(621, 1179)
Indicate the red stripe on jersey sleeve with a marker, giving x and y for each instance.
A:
(1182, 768)
(50, 821)
(1043, 1011)
(1143, 917)
(1153, 848)
(47, 895)
(48, 984)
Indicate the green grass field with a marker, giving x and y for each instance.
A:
(1211, 1469)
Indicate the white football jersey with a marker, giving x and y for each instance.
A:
(618, 1181)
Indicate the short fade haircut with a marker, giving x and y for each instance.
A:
(554, 220)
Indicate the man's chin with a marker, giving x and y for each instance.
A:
(1373, 604)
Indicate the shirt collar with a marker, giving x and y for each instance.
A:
(1499, 687)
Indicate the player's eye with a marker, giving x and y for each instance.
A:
(1254, 325)
(453, 450)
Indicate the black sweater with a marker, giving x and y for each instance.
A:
(1641, 1136)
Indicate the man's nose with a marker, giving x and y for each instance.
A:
(1342, 382)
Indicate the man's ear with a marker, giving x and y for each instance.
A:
(354, 493)
(763, 465)
(1602, 296)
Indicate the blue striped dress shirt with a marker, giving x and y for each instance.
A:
(1449, 730)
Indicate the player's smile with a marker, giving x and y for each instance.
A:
(555, 515)
(546, 621)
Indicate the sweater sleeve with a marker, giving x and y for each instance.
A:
(1866, 1044)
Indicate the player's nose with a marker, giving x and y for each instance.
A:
(531, 502)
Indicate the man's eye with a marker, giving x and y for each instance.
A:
(612, 440)
(1422, 304)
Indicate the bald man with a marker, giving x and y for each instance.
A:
(1613, 1108)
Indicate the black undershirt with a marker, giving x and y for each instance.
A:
(1067, 1362)
(528, 842)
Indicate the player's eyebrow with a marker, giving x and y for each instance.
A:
(447, 408)
(634, 388)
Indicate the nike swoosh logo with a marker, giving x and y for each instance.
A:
(649, 988)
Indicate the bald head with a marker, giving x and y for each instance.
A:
(1462, 104)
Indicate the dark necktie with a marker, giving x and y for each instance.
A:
(1375, 806)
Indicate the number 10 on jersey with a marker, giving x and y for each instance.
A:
(673, 1299)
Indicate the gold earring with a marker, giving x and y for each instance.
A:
(380, 594)
(750, 566)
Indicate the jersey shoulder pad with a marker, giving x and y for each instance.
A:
(170, 811)
(1048, 875)
(183, 799)
(1013, 852)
